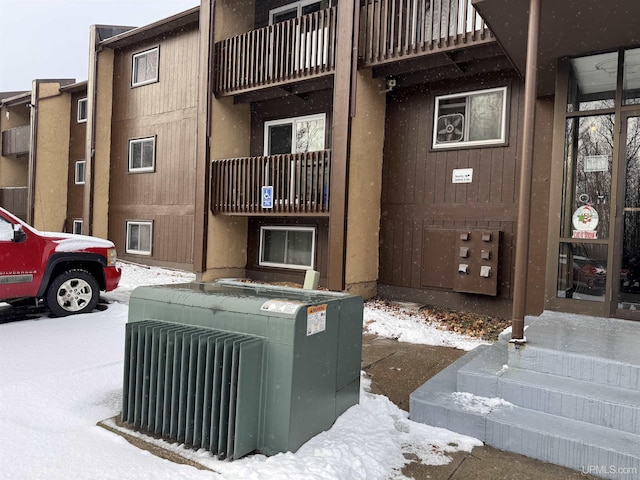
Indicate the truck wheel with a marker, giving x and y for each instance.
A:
(75, 291)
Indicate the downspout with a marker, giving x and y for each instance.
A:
(203, 135)
(33, 133)
(343, 110)
(524, 203)
(88, 197)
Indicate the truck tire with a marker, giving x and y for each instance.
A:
(75, 291)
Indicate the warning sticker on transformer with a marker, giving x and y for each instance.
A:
(316, 319)
(280, 306)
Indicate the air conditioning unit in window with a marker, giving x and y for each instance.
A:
(450, 128)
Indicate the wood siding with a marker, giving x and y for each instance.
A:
(77, 143)
(165, 110)
(422, 209)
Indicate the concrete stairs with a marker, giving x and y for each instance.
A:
(569, 396)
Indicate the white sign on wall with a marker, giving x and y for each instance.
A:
(596, 163)
(462, 175)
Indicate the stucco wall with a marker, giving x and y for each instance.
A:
(365, 185)
(232, 18)
(51, 157)
(227, 235)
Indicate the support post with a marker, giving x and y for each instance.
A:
(526, 156)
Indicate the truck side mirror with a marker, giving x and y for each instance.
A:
(18, 234)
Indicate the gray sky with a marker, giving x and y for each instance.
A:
(50, 38)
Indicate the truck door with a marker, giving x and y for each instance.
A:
(20, 269)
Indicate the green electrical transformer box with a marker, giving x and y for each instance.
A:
(237, 367)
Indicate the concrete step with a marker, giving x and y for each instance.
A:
(582, 446)
(603, 351)
(603, 371)
(603, 405)
(487, 375)
(568, 442)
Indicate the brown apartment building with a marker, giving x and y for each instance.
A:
(383, 130)
(392, 140)
(42, 138)
(383, 143)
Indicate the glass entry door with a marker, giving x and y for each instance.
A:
(626, 294)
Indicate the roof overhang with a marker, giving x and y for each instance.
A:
(567, 28)
(77, 87)
(16, 98)
(161, 27)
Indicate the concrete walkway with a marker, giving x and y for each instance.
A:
(396, 369)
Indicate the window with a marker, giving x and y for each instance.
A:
(293, 10)
(469, 119)
(77, 227)
(288, 247)
(139, 235)
(82, 110)
(80, 174)
(294, 135)
(142, 154)
(6, 230)
(145, 67)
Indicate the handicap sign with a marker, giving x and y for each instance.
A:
(267, 197)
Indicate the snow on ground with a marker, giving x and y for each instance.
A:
(60, 376)
(407, 326)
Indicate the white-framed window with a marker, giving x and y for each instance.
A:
(293, 10)
(77, 227)
(287, 247)
(82, 110)
(80, 172)
(139, 237)
(142, 154)
(295, 135)
(470, 118)
(145, 67)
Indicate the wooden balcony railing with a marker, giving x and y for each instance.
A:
(300, 48)
(300, 184)
(15, 141)
(14, 199)
(393, 29)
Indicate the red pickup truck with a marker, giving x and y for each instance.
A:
(64, 271)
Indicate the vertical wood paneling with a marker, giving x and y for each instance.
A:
(418, 194)
(165, 110)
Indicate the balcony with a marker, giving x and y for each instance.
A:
(298, 49)
(300, 184)
(393, 30)
(15, 141)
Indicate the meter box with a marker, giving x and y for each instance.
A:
(477, 255)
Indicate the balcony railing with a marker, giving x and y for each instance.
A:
(299, 184)
(15, 141)
(300, 48)
(394, 29)
(14, 199)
